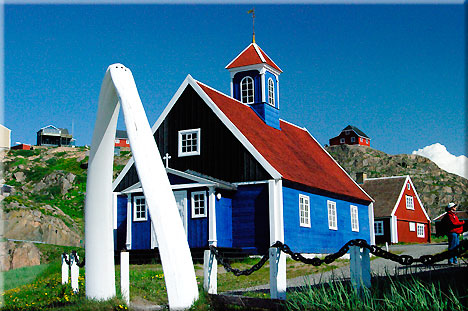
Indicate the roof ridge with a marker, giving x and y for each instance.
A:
(238, 56)
(217, 91)
(259, 52)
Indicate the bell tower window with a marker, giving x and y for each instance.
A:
(271, 92)
(247, 90)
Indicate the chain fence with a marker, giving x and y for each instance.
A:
(373, 249)
(73, 254)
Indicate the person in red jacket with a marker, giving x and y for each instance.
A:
(454, 230)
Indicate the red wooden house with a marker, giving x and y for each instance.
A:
(399, 215)
(121, 139)
(351, 135)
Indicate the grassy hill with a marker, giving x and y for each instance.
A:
(47, 200)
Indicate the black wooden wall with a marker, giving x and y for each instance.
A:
(222, 156)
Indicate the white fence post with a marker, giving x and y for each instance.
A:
(277, 274)
(210, 271)
(75, 272)
(359, 267)
(125, 276)
(65, 268)
(365, 267)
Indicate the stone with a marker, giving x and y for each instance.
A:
(19, 176)
(27, 254)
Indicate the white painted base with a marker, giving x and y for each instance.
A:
(277, 274)
(210, 273)
(125, 276)
(75, 273)
(65, 269)
(360, 267)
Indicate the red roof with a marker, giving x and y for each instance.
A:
(292, 151)
(252, 55)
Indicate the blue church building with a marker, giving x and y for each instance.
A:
(242, 177)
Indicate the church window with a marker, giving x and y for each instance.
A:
(198, 204)
(189, 142)
(247, 90)
(304, 211)
(139, 208)
(271, 92)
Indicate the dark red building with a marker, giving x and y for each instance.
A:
(351, 135)
(121, 139)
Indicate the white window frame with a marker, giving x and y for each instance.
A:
(249, 92)
(353, 139)
(354, 218)
(332, 215)
(304, 211)
(378, 224)
(117, 141)
(342, 140)
(409, 202)
(136, 211)
(271, 92)
(183, 134)
(412, 226)
(408, 186)
(421, 228)
(198, 215)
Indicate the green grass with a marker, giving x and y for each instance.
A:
(21, 276)
(147, 285)
(390, 294)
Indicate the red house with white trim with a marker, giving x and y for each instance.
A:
(351, 135)
(399, 215)
(121, 139)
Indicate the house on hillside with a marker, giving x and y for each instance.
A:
(53, 136)
(234, 157)
(351, 135)
(399, 215)
(5, 137)
(121, 139)
(22, 147)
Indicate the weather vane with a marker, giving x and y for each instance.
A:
(253, 23)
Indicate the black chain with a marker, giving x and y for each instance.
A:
(373, 249)
(78, 263)
(238, 272)
(65, 256)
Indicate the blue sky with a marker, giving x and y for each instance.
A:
(397, 72)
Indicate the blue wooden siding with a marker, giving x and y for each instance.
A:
(197, 228)
(319, 238)
(224, 222)
(255, 75)
(250, 229)
(120, 236)
(268, 113)
(141, 231)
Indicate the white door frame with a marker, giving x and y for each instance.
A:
(179, 195)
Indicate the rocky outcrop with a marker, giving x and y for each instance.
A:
(33, 225)
(436, 187)
(18, 255)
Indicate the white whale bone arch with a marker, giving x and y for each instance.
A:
(119, 89)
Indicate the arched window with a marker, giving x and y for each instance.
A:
(247, 90)
(271, 92)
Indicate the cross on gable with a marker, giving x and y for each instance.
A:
(166, 158)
